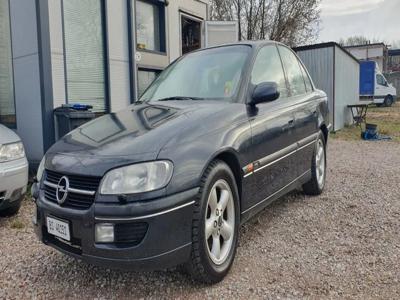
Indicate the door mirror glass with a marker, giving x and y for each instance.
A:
(265, 92)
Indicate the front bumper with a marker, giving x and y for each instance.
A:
(166, 243)
(13, 182)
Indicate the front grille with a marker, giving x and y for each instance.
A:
(87, 183)
(130, 234)
(74, 200)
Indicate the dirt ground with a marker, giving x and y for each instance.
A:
(342, 244)
(387, 119)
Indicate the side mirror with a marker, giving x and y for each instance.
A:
(265, 92)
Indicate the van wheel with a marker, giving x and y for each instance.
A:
(388, 101)
(215, 225)
(318, 169)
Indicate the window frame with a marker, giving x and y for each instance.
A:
(14, 125)
(190, 16)
(282, 66)
(385, 84)
(306, 75)
(106, 66)
(162, 26)
(285, 71)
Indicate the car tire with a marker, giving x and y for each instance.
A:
(388, 101)
(216, 221)
(316, 184)
(12, 210)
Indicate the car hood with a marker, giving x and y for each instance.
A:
(7, 135)
(136, 134)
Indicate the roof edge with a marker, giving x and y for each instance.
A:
(325, 45)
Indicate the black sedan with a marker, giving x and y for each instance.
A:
(218, 136)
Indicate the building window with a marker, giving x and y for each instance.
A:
(7, 104)
(150, 25)
(84, 53)
(145, 78)
(191, 33)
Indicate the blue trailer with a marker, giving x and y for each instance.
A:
(374, 86)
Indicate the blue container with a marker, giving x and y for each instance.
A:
(367, 78)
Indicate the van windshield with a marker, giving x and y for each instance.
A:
(210, 74)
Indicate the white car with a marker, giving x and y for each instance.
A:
(13, 171)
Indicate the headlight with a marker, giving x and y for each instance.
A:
(40, 170)
(139, 178)
(12, 151)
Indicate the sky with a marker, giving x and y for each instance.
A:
(375, 19)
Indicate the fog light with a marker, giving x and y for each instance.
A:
(104, 233)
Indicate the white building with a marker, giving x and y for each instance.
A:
(98, 52)
(337, 72)
(377, 52)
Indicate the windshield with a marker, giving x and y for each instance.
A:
(211, 74)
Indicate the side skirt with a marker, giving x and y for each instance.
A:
(298, 182)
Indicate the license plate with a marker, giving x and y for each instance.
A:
(58, 228)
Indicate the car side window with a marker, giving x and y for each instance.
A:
(306, 77)
(293, 72)
(380, 80)
(268, 68)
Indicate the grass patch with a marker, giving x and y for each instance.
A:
(17, 224)
(387, 119)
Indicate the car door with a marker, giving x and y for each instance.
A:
(272, 125)
(305, 102)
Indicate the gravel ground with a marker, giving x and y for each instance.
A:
(343, 244)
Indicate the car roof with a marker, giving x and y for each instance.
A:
(253, 44)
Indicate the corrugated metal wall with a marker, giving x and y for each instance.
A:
(347, 81)
(336, 73)
(319, 63)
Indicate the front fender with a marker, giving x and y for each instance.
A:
(191, 159)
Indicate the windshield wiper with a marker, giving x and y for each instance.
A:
(180, 98)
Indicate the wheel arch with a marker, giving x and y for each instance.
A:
(325, 131)
(231, 158)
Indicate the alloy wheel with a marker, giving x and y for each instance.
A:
(320, 163)
(220, 222)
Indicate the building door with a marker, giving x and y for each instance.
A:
(191, 38)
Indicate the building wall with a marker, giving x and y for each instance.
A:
(347, 86)
(394, 61)
(375, 53)
(118, 52)
(336, 73)
(27, 85)
(57, 52)
(319, 63)
(195, 8)
(32, 93)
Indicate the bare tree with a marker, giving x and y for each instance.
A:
(354, 41)
(293, 22)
